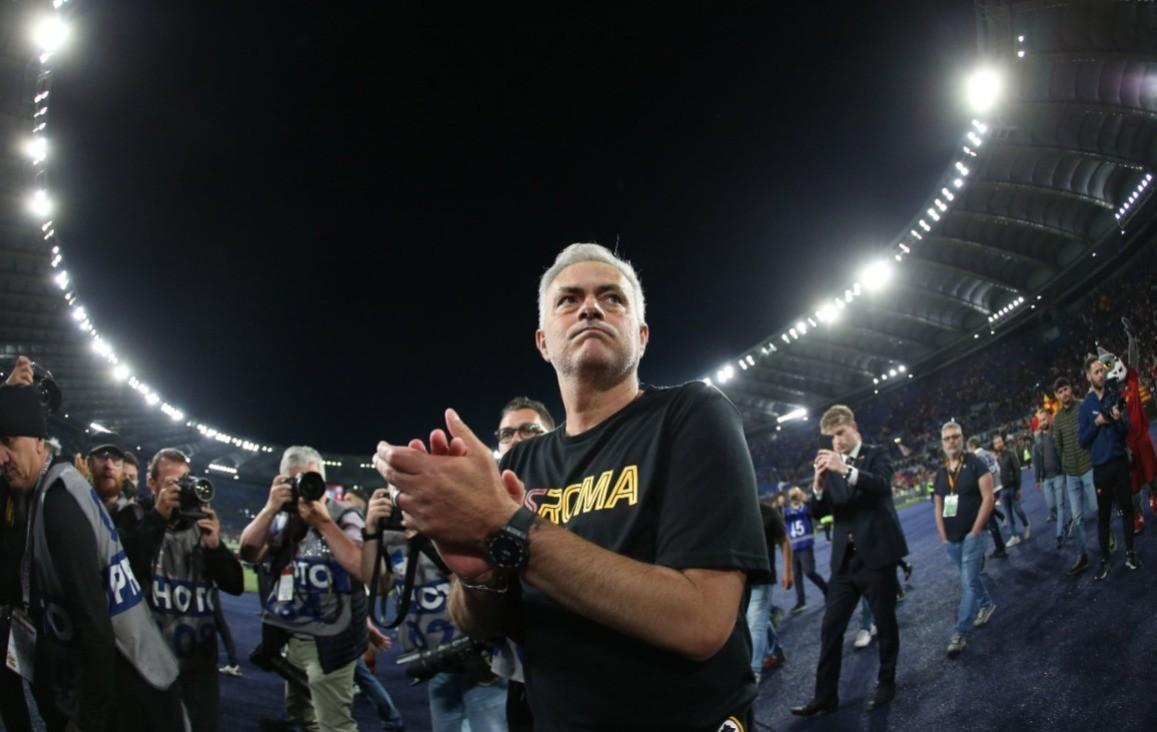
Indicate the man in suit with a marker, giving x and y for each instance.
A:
(853, 483)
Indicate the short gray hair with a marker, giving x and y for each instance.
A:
(298, 456)
(590, 252)
(951, 424)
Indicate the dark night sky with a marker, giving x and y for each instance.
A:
(325, 222)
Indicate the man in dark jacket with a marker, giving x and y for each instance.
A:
(1010, 495)
(1046, 465)
(853, 482)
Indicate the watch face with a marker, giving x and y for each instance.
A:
(506, 551)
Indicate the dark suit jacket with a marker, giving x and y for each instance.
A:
(865, 511)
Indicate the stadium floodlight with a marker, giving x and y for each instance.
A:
(828, 314)
(40, 204)
(901, 368)
(121, 372)
(892, 373)
(36, 149)
(49, 34)
(800, 413)
(801, 327)
(876, 276)
(793, 332)
(983, 89)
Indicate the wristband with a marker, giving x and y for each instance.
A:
(500, 588)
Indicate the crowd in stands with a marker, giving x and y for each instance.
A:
(995, 390)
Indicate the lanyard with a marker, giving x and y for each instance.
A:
(953, 475)
(26, 560)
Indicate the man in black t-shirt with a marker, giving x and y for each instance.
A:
(631, 530)
(963, 501)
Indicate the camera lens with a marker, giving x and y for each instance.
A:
(203, 490)
(310, 486)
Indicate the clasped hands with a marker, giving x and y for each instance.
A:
(828, 461)
(451, 491)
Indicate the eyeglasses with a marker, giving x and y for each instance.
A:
(525, 430)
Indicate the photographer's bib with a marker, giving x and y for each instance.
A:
(312, 594)
(183, 601)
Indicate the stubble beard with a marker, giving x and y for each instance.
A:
(599, 373)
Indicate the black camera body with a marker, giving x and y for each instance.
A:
(309, 485)
(196, 493)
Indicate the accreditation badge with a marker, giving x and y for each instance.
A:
(21, 647)
(285, 584)
(950, 503)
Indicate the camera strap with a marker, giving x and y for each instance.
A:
(416, 545)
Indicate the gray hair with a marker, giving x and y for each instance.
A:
(589, 252)
(950, 424)
(298, 456)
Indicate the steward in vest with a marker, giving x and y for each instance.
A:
(317, 600)
(178, 555)
(97, 658)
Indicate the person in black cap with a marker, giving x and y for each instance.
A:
(100, 660)
(106, 468)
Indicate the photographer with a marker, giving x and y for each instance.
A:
(1103, 428)
(461, 686)
(173, 539)
(314, 547)
(99, 659)
(106, 469)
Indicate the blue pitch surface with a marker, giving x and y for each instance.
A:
(1059, 652)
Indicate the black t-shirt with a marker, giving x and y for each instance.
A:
(667, 480)
(968, 488)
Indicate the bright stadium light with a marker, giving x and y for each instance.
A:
(801, 327)
(121, 372)
(40, 204)
(876, 276)
(36, 149)
(800, 413)
(983, 89)
(49, 34)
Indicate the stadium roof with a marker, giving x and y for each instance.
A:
(1057, 170)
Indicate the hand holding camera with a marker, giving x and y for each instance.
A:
(381, 515)
(210, 527)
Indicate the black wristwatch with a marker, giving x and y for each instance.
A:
(509, 547)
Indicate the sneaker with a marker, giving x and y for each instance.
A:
(1132, 561)
(956, 645)
(799, 608)
(776, 617)
(1103, 570)
(1027, 531)
(907, 567)
(863, 638)
(773, 661)
(983, 615)
(1080, 565)
(901, 595)
(233, 670)
(1012, 540)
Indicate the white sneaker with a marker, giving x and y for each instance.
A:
(1013, 540)
(230, 670)
(863, 638)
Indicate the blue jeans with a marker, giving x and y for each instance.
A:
(454, 700)
(1082, 498)
(966, 555)
(1054, 490)
(866, 619)
(1010, 497)
(763, 638)
(375, 692)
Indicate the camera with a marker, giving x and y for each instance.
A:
(195, 495)
(46, 388)
(463, 654)
(309, 485)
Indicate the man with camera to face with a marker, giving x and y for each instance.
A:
(99, 658)
(853, 482)
(173, 539)
(1103, 428)
(317, 604)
